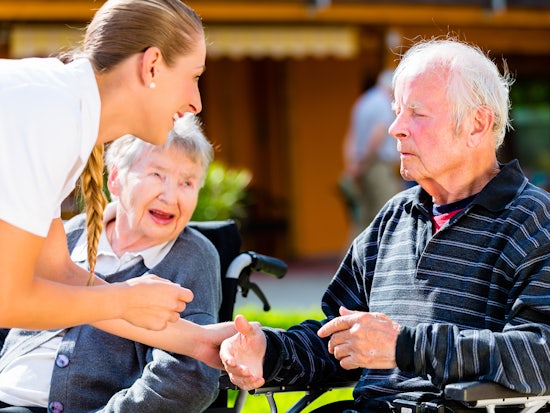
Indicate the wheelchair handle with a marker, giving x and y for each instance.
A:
(245, 263)
(268, 265)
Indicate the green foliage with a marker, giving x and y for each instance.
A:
(259, 404)
(223, 195)
(279, 318)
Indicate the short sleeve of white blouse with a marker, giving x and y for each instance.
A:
(49, 120)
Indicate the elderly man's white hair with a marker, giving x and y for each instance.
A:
(473, 79)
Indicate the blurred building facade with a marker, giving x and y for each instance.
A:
(282, 75)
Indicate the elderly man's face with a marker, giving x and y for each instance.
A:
(157, 196)
(425, 130)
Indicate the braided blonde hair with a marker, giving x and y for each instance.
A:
(91, 186)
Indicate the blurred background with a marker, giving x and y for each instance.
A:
(282, 76)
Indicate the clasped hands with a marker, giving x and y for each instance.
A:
(357, 340)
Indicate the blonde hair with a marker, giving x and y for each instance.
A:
(120, 29)
(91, 184)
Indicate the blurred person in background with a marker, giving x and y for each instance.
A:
(371, 161)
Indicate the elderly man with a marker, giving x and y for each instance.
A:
(84, 369)
(450, 281)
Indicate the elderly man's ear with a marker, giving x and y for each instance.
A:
(112, 182)
(482, 126)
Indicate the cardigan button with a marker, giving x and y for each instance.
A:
(56, 407)
(62, 361)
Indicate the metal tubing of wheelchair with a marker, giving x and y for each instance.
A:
(271, 402)
(533, 407)
(531, 404)
(240, 401)
(305, 401)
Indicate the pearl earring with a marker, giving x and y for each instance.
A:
(152, 85)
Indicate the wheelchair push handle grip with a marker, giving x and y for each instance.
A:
(268, 265)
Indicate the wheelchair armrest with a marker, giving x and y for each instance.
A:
(480, 390)
(225, 384)
(316, 387)
(492, 395)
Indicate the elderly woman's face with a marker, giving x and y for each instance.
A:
(158, 195)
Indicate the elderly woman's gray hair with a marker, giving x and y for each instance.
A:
(186, 136)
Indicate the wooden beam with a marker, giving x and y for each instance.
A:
(54, 10)
(219, 11)
(500, 42)
(370, 14)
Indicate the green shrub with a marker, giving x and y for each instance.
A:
(279, 318)
(223, 195)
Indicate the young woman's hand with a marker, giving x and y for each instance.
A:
(152, 302)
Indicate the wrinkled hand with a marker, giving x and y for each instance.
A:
(151, 302)
(360, 339)
(243, 354)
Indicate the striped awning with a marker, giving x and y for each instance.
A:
(281, 42)
(235, 42)
(42, 40)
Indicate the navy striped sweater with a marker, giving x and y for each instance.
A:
(473, 298)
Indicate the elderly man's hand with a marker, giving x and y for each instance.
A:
(243, 354)
(360, 339)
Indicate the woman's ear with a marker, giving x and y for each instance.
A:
(150, 63)
(112, 182)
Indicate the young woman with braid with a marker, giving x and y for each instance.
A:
(137, 70)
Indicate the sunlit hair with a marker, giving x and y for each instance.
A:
(472, 80)
(122, 28)
(118, 30)
(186, 137)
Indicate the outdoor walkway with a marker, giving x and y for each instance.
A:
(301, 288)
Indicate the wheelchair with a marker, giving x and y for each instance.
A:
(237, 268)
